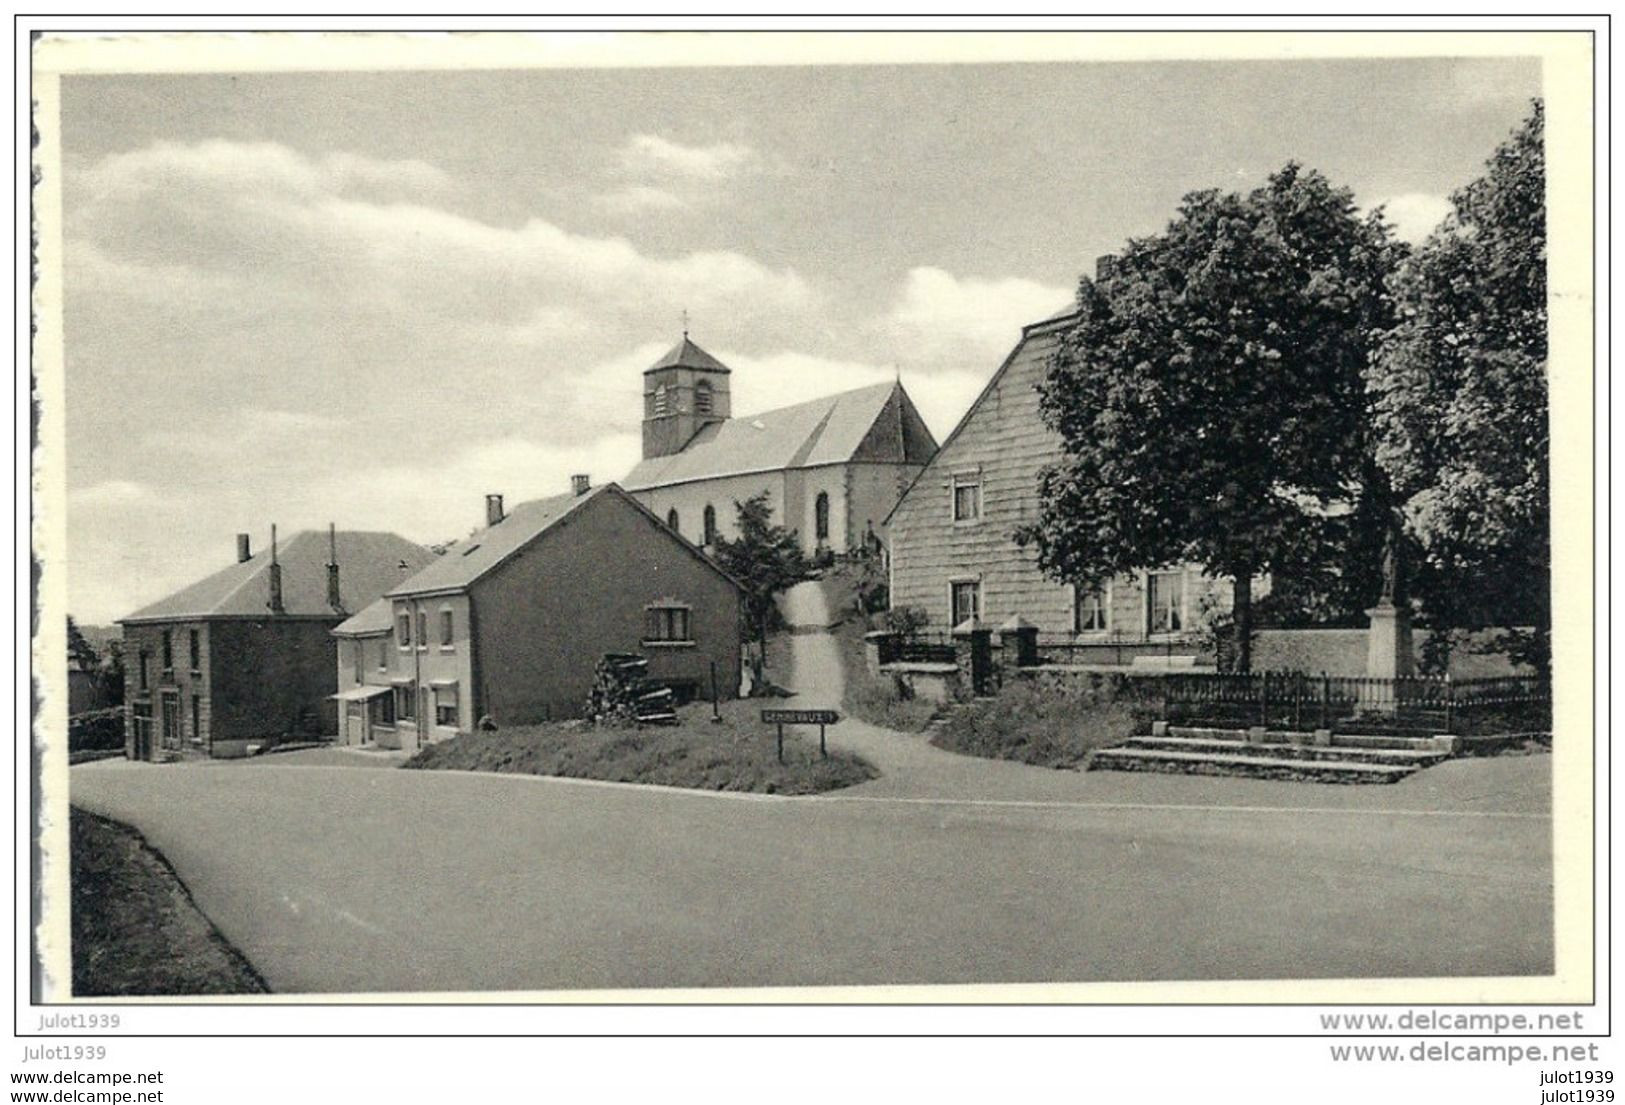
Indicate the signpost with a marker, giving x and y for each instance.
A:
(820, 718)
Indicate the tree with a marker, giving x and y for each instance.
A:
(1210, 399)
(1459, 398)
(767, 560)
(81, 653)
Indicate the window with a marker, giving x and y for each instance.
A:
(967, 498)
(710, 524)
(660, 403)
(355, 667)
(1091, 612)
(383, 709)
(1165, 600)
(141, 660)
(403, 628)
(197, 722)
(169, 652)
(821, 516)
(445, 704)
(446, 629)
(383, 654)
(671, 520)
(667, 623)
(423, 629)
(194, 650)
(406, 700)
(702, 398)
(967, 601)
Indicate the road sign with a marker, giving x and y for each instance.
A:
(820, 718)
(800, 717)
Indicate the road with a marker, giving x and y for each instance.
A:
(945, 870)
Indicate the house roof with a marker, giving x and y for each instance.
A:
(489, 547)
(1057, 321)
(829, 430)
(376, 617)
(685, 354)
(466, 562)
(369, 564)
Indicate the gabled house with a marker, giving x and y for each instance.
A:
(510, 624)
(246, 654)
(952, 549)
(833, 468)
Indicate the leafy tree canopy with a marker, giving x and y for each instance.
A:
(1210, 398)
(1459, 400)
(765, 558)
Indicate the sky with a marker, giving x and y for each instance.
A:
(372, 298)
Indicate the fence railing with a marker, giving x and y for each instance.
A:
(1300, 701)
(1115, 650)
(918, 648)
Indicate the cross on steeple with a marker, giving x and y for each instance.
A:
(685, 323)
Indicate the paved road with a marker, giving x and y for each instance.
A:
(947, 869)
(332, 879)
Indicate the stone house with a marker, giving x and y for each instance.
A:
(246, 654)
(952, 549)
(832, 468)
(511, 623)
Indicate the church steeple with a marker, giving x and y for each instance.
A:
(682, 392)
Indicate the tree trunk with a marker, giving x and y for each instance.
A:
(758, 662)
(1241, 610)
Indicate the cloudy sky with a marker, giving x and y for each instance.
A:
(373, 298)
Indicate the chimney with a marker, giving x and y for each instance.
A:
(1105, 265)
(493, 509)
(333, 599)
(242, 548)
(580, 485)
(276, 578)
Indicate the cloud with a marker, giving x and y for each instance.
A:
(942, 317)
(638, 198)
(111, 493)
(258, 166)
(448, 492)
(1415, 215)
(649, 155)
(294, 228)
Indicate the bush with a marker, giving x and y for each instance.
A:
(905, 620)
(97, 731)
(885, 702)
(1051, 723)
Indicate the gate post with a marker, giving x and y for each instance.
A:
(980, 641)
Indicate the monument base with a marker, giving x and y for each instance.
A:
(1388, 642)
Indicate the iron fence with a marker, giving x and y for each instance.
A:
(918, 648)
(1300, 701)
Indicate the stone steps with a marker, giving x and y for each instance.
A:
(1254, 761)
(1371, 740)
(1284, 751)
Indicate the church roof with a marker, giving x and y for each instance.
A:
(830, 430)
(369, 565)
(685, 354)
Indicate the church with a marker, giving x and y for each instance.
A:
(832, 468)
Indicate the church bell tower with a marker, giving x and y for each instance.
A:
(683, 392)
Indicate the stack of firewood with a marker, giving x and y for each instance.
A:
(623, 693)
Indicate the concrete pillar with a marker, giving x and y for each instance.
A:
(974, 655)
(1018, 643)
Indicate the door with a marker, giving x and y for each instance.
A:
(172, 722)
(355, 723)
(143, 732)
